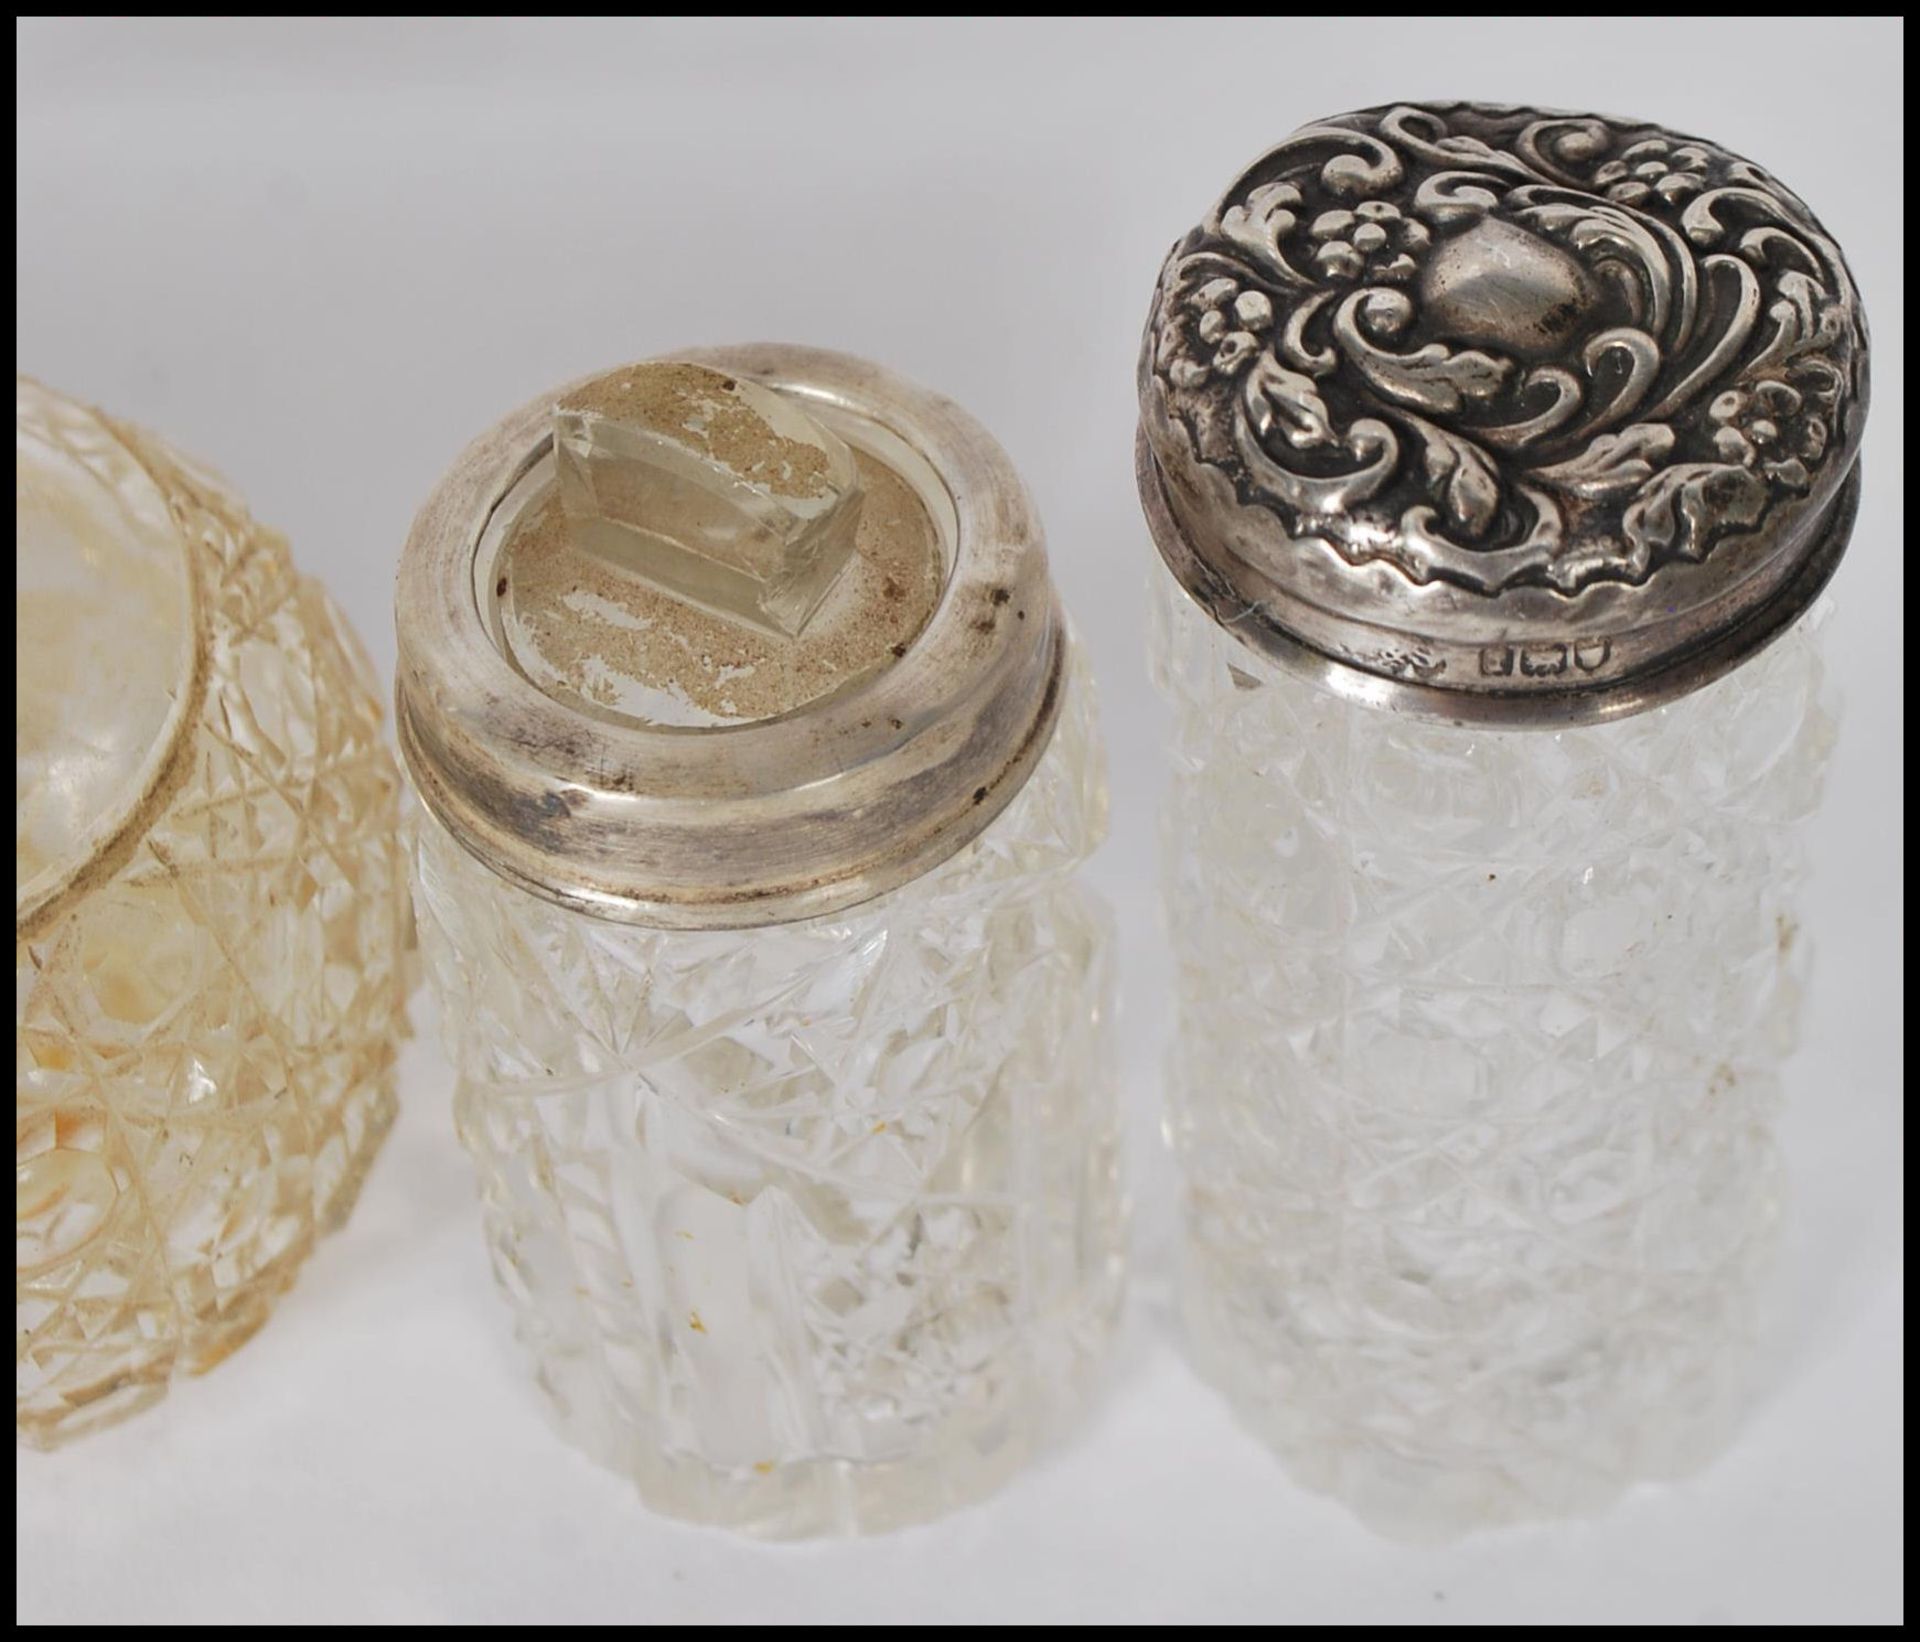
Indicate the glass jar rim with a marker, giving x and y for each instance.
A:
(127, 462)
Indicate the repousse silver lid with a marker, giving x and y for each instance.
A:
(1503, 415)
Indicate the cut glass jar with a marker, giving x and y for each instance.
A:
(759, 766)
(1496, 458)
(211, 918)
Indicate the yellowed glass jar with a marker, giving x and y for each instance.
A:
(210, 918)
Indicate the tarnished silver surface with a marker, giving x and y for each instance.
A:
(1503, 415)
(764, 821)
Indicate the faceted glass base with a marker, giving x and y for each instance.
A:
(1479, 1038)
(813, 1228)
(205, 1036)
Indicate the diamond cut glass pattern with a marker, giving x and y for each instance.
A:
(206, 1023)
(814, 1227)
(1479, 1047)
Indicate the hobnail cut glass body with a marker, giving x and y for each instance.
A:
(1478, 1055)
(815, 1227)
(205, 1040)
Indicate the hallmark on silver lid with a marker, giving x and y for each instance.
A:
(1503, 415)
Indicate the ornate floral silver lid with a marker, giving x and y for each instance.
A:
(635, 720)
(1503, 415)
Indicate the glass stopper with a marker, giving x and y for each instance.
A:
(710, 488)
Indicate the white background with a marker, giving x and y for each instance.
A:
(321, 256)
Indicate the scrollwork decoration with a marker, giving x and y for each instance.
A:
(1504, 348)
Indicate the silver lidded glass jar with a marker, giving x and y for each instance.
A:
(758, 764)
(1497, 458)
